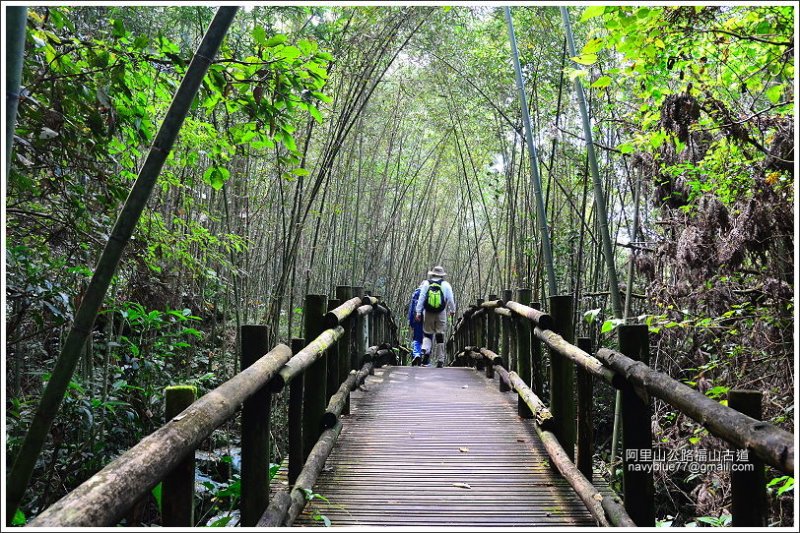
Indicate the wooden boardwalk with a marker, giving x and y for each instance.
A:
(440, 447)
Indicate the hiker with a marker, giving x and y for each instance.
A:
(437, 301)
(416, 330)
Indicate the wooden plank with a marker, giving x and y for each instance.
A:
(439, 447)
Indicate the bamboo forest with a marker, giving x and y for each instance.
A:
(421, 264)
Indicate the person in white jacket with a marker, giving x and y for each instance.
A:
(435, 302)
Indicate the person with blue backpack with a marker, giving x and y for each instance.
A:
(436, 301)
(416, 330)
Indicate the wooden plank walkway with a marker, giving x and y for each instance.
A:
(417, 437)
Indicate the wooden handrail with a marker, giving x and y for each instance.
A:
(586, 361)
(103, 499)
(607, 511)
(305, 357)
(770, 443)
(337, 316)
(540, 318)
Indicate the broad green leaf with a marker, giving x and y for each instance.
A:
(315, 113)
(774, 93)
(592, 11)
(259, 35)
(592, 46)
(276, 40)
(585, 59)
(591, 315)
(300, 172)
(216, 177)
(608, 325)
(602, 81)
(625, 148)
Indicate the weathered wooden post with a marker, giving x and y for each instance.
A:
(537, 361)
(491, 321)
(332, 381)
(177, 489)
(480, 325)
(356, 348)
(315, 399)
(513, 344)
(523, 351)
(748, 489)
(585, 437)
(505, 338)
(296, 394)
(637, 439)
(360, 342)
(491, 335)
(344, 293)
(562, 371)
(255, 432)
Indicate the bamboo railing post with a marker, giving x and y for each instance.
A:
(314, 401)
(585, 437)
(470, 331)
(523, 351)
(332, 380)
(537, 360)
(562, 381)
(748, 490)
(344, 293)
(505, 339)
(491, 319)
(177, 489)
(637, 479)
(296, 394)
(255, 432)
(480, 326)
(360, 345)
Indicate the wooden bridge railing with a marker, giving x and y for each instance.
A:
(320, 376)
(517, 329)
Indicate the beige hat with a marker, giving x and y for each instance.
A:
(437, 272)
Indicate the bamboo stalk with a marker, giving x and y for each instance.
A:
(17, 17)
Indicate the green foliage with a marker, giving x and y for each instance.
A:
(786, 485)
(724, 520)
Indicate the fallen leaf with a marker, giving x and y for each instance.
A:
(598, 497)
(520, 440)
(462, 485)
(463, 449)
